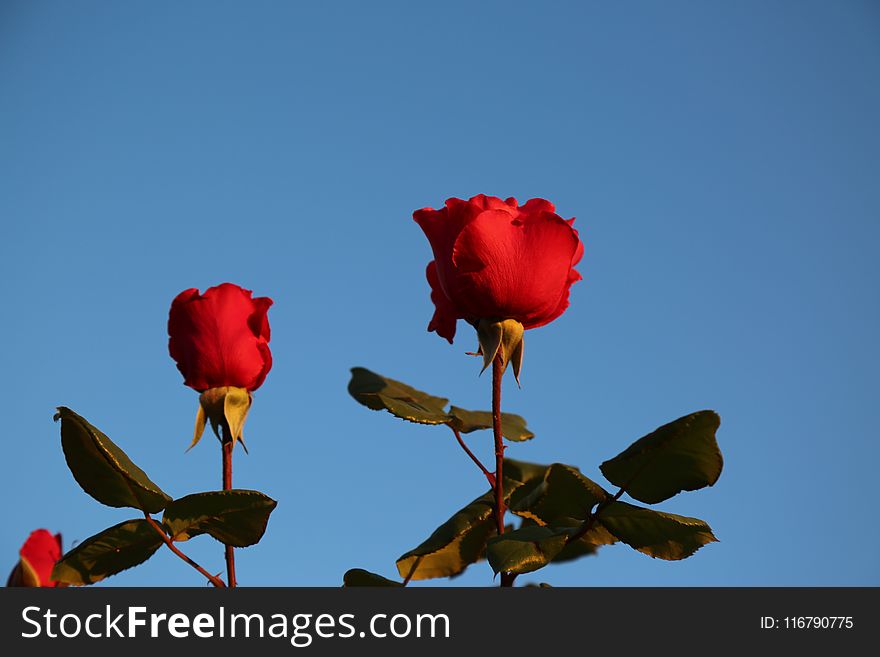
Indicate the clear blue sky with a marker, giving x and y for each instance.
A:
(721, 159)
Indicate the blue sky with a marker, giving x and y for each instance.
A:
(721, 159)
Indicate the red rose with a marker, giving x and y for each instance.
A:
(220, 338)
(37, 558)
(497, 260)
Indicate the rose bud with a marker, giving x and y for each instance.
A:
(220, 341)
(501, 267)
(37, 558)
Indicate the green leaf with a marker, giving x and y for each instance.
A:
(513, 427)
(461, 540)
(234, 517)
(661, 535)
(458, 542)
(453, 546)
(530, 475)
(523, 471)
(553, 509)
(564, 497)
(585, 546)
(526, 549)
(532, 547)
(103, 470)
(377, 392)
(113, 550)
(381, 393)
(681, 455)
(361, 577)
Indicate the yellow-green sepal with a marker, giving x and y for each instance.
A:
(29, 576)
(201, 421)
(225, 407)
(236, 405)
(504, 337)
(24, 575)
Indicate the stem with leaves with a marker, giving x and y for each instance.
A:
(497, 373)
(591, 519)
(216, 581)
(228, 444)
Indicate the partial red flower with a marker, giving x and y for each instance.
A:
(495, 259)
(220, 338)
(37, 558)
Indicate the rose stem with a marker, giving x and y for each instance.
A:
(216, 581)
(497, 372)
(228, 444)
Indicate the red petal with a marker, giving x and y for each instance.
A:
(445, 314)
(219, 338)
(536, 205)
(579, 253)
(484, 202)
(573, 277)
(266, 354)
(259, 319)
(441, 227)
(563, 304)
(42, 550)
(510, 268)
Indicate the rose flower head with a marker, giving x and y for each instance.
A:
(501, 266)
(37, 558)
(220, 341)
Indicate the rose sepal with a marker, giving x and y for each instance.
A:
(24, 575)
(504, 337)
(226, 406)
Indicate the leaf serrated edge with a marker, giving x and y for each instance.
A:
(686, 521)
